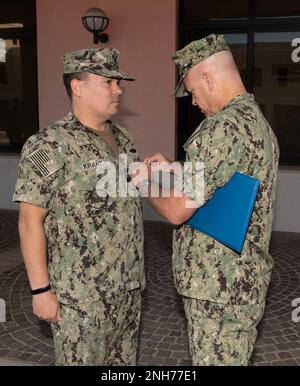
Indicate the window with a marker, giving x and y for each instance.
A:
(262, 41)
(18, 74)
(279, 90)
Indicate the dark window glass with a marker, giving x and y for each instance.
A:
(279, 90)
(276, 8)
(199, 10)
(18, 74)
(267, 53)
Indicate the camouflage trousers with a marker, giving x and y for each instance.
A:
(103, 333)
(221, 334)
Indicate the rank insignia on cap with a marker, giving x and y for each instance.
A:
(43, 162)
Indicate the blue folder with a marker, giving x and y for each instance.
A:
(226, 216)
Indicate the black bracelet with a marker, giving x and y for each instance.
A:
(40, 290)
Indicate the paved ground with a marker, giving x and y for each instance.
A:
(163, 339)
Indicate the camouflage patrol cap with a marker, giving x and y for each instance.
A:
(194, 53)
(99, 61)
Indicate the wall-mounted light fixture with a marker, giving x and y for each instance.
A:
(96, 21)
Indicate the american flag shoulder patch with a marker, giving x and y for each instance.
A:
(41, 160)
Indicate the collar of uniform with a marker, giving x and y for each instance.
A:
(193, 135)
(237, 99)
(233, 101)
(77, 128)
(77, 125)
(83, 135)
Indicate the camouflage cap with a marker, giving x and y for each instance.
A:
(99, 61)
(194, 53)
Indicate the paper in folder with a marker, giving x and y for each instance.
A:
(226, 216)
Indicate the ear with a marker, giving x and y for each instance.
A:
(76, 86)
(208, 81)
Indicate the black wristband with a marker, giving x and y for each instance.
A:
(40, 290)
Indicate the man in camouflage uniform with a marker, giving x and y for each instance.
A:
(94, 241)
(223, 292)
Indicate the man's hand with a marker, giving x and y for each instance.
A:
(139, 172)
(46, 307)
(34, 250)
(158, 157)
(174, 206)
(160, 163)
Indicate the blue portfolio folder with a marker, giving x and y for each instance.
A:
(226, 216)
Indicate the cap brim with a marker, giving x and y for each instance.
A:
(180, 89)
(112, 74)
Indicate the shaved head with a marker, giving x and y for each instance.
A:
(218, 63)
(213, 82)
